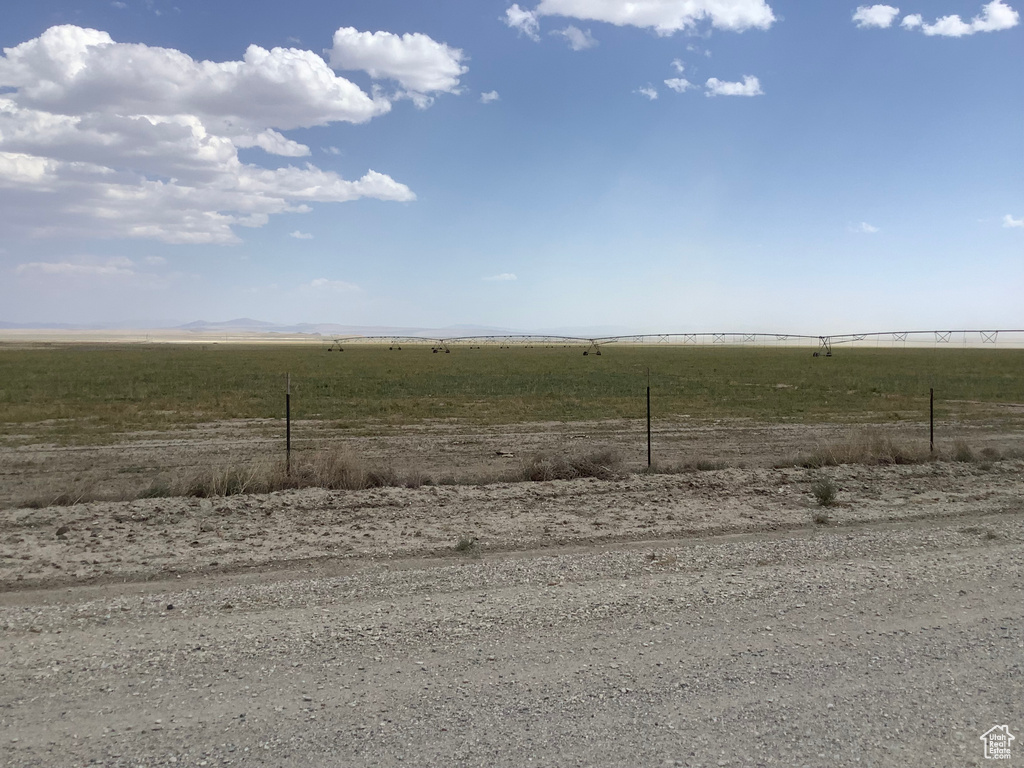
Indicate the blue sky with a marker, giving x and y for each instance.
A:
(704, 165)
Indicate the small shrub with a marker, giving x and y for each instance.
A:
(824, 490)
(821, 517)
(71, 498)
(158, 490)
(416, 479)
(604, 465)
(703, 465)
(382, 478)
(467, 545)
(962, 452)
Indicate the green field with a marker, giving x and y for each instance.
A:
(84, 393)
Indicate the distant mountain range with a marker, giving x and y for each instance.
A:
(248, 325)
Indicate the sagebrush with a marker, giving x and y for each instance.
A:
(602, 464)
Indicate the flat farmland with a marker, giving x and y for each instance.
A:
(109, 421)
(465, 614)
(81, 393)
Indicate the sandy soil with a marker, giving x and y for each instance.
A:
(698, 619)
(150, 538)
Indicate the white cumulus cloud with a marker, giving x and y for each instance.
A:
(1009, 221)
(679, 84)
(272, 143)
(578, 39)
(880, 16)
(418, 63)
(489, 97)
(118, 140)
(995, 16)
(69, 70)
(648, 91)
(522, 20)
(750, 86)
(664, 16)
(503, 277)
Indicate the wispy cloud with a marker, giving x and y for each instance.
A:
(679, 84)
(335, 286)
(1010, 222)
(301, 235)
(578, 39)
(647, 91)
(489, 97)
(503, 277)
(665, 17)
(524, 21)
(864, 228)
(115, 267)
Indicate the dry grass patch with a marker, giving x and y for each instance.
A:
(603, 464)
(866, 449)
(335, 470)
(694, 465)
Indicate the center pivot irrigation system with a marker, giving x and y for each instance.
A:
(823, 344)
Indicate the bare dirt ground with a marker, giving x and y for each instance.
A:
(36, 471)
(699, 618)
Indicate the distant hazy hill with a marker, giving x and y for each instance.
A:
(240, 324)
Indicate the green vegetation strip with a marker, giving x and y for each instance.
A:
(83, 393)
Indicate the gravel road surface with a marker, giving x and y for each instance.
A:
(866, 644)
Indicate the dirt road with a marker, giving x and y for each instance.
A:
(893, 636)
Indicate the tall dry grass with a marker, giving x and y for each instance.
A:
(333, 469)
(866, 448)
